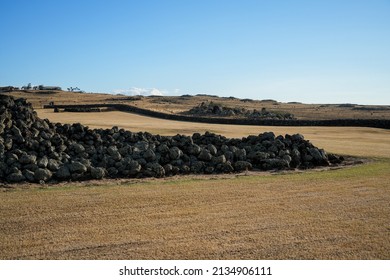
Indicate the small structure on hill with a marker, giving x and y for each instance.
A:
(8, 89)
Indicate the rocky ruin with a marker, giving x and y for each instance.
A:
(214, 109)
(37, 150)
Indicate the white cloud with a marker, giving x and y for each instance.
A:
(121, 91)
(140, 91)
(155, 91)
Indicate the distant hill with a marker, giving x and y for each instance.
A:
(184, 103)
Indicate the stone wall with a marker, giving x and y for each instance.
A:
(82, 109)
(377, 123)
(36, 150)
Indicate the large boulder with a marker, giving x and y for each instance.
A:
(16, 177)
(114, 153)
(36, 150)
(77, 148)
(175, 153)
(218, 159)
(42, 174)
(205, 155)
(53, 165)
(63, 173)
(154, 170)
(274, 163)
(43, 162)
(28, 159)
(77, 167)
(319, 156)
(240, 166)
(212, 149)
(98, 172)
(149, 155)
(134, 168)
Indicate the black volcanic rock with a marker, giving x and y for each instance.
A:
(214, 109)
(36, 150)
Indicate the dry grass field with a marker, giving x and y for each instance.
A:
(342, 140)
(319, 214)
(337, 214)
(179, 104)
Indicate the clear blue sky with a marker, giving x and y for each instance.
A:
(309, 51)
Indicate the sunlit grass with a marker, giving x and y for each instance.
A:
(295, 215)
(313, 214)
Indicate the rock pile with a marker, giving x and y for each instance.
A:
(213, 109)
(36, 150)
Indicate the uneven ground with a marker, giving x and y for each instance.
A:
(329, 214)
(179, 104)
(339, 214)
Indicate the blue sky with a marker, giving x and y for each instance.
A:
(309, 51)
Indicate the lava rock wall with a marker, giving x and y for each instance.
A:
(37, 150)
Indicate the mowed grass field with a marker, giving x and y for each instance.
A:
(328, 214)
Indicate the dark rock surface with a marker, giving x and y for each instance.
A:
(36, 150)
(214, 109)
(378, 123)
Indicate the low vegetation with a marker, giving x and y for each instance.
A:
(329, 213)
(178, 104)
(333, 214)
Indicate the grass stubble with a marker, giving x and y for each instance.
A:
(329, 214)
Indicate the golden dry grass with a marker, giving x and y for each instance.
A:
(38, 99)
(170, 104)
(337, 214)
(177, 104)
(356, 141)
(331, 214)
